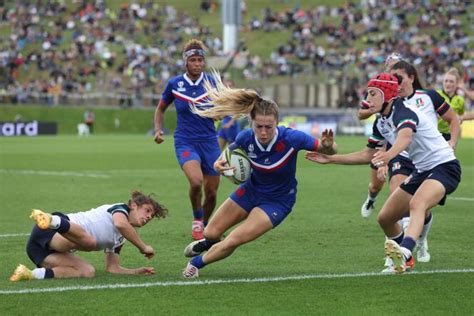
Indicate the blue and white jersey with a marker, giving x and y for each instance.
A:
(98, 222)
(429, 102)
(274, 165)
(427, 148)
(183, 91)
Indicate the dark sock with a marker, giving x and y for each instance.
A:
(398, 239)
(204, 245)
(373, 195)
(49, 273)
(408, 243)
(64, 226)
(428, 219)
(198, 214)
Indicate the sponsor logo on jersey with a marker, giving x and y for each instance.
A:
(419, 102)
(181, 87)
(251, 154)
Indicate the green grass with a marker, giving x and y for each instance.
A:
(325, 234)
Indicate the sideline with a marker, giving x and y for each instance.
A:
(219, 281)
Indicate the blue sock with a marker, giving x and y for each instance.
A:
(398, 239)
(49, 273)
(198, 214)
(408, 243)
(197, 262)
(64, 226)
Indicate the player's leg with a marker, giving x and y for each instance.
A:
(71, 235)
(256, 224)
(193, 172)
(209, 152)
(375, 186)
(67, 265)
(226, 216)
(190, 162)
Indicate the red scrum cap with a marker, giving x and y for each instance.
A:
(385, 83)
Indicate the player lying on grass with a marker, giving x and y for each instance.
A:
(437, 173)
(106, 227)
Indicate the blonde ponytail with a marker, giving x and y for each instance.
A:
(226, 100)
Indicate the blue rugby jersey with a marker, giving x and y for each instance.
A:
(274, 165)
(182, 91)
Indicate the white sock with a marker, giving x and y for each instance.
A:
(426, 229)
(39, 273)
(55, 222)
(406, 252)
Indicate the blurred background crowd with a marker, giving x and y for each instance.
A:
(51, 50)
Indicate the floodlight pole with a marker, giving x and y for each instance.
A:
(231, 20)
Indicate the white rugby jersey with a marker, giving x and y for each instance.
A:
(429, 102)
(99, 223)
(427, 148)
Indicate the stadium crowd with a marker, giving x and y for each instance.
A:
(106, 50)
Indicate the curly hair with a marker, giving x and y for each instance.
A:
(140, 199)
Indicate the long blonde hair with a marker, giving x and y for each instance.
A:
(234, 102)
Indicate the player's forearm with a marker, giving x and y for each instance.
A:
(401, 143)
(357, 158)
(129, 233)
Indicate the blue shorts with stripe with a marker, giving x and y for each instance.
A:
(37, 247)
(276, 208)
(206, 152)
(448, 173)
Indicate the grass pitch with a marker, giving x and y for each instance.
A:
(323, 259)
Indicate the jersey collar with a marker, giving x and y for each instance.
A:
(190, 82)
(270, 145)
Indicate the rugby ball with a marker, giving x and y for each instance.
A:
(238, 159)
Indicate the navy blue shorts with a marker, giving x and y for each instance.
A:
(277, 209)
(205, 152)
(37, 247)
(447, 136)
(448, 173)
(400, 165)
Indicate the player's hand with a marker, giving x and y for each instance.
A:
(146, 271)
(380, 159)
(148, 251)
(382, 173)
(327, 138)
(317, 157)
(221, 165)
(159, 137)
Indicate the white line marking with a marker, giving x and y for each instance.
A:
(210, 282)
(56, 173)
(13, 235)
(462, 199)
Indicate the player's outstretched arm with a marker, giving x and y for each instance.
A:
(356, 158)
(112, 265)
(129, 232)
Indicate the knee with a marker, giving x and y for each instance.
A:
(212, 233)
(211, 194)
(89, 243)
(195, 185)
(417, 206)
(87, 271)
(383, 220)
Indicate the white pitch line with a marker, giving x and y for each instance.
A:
(13, 235)
(462, 198)
(56, 173)
(218, 281)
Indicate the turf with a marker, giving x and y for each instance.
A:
(324, 239)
